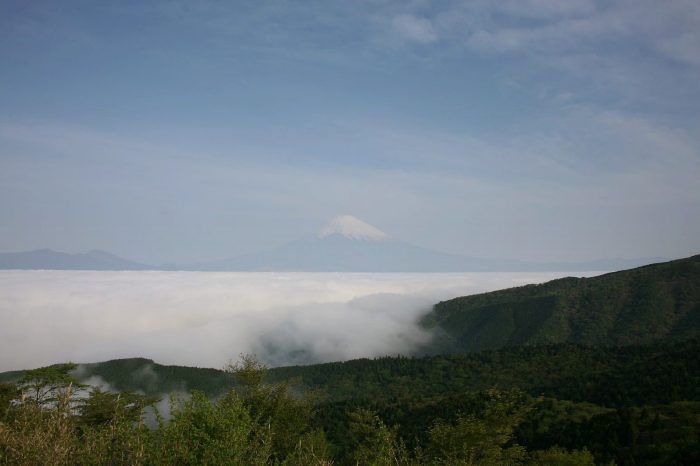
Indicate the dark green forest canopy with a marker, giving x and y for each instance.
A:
(655, 373)
(642, 305)
(609, 376)
(638, 404)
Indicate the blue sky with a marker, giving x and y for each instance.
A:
(183, 131)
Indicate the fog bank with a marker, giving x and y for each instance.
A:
(206, 319)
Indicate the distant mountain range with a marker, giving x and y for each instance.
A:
(346, 244)
(48, 259)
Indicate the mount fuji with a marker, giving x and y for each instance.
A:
(345, 244)
(348, 244)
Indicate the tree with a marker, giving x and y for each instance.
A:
(8, 393)
(44, 385)
(274, 406)
(481, 438)
(375, 444)
(103, 408)
(40, 434)
(556, 456)
(202, 432)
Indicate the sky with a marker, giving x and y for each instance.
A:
(182, 131)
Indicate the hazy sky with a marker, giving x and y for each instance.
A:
(184, 131)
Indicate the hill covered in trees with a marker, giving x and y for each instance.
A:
(609, 376)
(642, 305)
(638, 404)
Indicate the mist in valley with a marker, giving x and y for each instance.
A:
(207, 319)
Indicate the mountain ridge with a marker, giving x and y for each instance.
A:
(344, 244)
(634, 306)
(48, 259)
(291, 258)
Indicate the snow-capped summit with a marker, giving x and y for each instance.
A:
(352, 228)
(347, 244)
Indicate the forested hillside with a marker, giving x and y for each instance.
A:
(660, 301)
(617, 377)
(633, 405)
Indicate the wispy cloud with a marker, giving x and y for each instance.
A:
(606, 166)
(183, 131)
(414, 29)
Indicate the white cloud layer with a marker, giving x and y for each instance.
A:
(206, 319)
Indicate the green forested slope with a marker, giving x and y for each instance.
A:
(638, 404)
(622, 308)
(633, 404)
(615, 377)
(144, 375)
(618, 377)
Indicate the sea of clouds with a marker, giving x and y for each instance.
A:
(206, 319)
